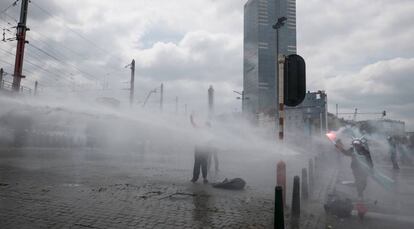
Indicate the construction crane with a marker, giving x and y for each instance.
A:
(149, 95)
(355, 113)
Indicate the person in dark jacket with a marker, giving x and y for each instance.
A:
(361, 162)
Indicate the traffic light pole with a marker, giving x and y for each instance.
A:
(21, 41)
(280, 60)
(281, 63)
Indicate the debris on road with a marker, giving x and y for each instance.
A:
(185, 194)
(361, 209)
(150, 194)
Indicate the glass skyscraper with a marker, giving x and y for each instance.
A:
(259, 84)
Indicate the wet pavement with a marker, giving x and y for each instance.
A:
(84, 188)
(388, 207)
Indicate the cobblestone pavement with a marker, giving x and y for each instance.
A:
(51, 188)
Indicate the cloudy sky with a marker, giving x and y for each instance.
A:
(360, 52)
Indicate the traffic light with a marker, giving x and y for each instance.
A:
(294, 80)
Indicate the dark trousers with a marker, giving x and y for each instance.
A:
(200, 162)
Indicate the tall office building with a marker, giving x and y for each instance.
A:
(259, 84)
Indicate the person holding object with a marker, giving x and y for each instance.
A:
(202, 161)
(203, 154)
(361, 161)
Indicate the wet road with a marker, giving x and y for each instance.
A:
(50, 188)
(388, 207)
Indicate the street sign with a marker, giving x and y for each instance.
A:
(294, 80)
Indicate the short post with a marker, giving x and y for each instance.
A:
(1, 78)
(281, 179)
(279, 215)
(305, 193)
(311, 179)
(35, 88)
(295, 215)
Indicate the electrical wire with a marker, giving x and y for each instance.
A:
(36, 65)
(8, 7)
(48, 53)
(62, 62)
(77, 33)
(52, 54)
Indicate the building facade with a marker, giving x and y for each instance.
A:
(259, 70)
(309, 118)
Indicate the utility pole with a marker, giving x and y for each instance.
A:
(185, 109)
(21, 41)
(132, 88)
(162, 97)
(210, 102)
(242, 98)
(35, 88)
(1, 78)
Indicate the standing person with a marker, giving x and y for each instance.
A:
(201, 158)
(393, 151)
(360, 159)
(213, 156)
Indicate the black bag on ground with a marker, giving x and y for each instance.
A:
(233, 184)
(341, 207)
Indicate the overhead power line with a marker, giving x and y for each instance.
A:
(6, 62)
(62, 62)
(77, 33)
(10, 6)
(54, 74)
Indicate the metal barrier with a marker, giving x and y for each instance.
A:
(6, 85)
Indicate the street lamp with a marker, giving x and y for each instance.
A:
(280, 22)
(242, 98)
(279, 78)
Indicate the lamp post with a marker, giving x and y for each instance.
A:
(279, 77)
(241, 97)
(280, 22)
